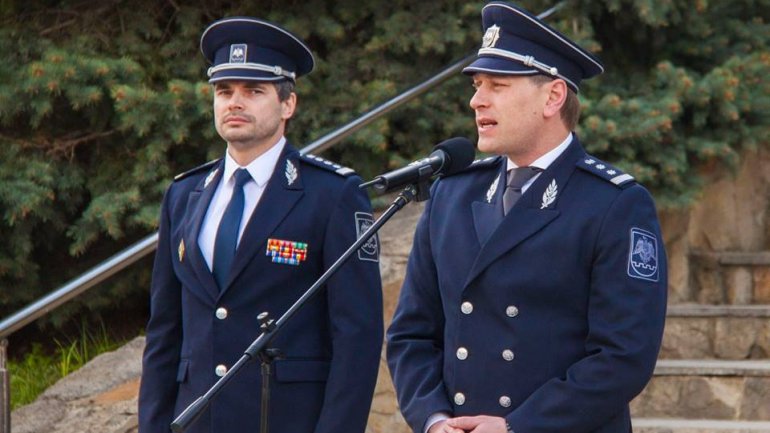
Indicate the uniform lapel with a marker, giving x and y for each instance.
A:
(198, 202)
(283, 191)
(529, 215)
(488, 212)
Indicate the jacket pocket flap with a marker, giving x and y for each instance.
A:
(300, 370)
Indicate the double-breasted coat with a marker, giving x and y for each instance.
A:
(550, 316)
(325, 378)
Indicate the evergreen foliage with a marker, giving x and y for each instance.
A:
(102, 103)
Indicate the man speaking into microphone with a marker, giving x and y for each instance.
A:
(535, 294)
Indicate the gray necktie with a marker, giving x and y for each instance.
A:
(517, 178)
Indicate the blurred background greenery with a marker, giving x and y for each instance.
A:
(102, 103)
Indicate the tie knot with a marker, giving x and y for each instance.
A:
(241, 177)
(520, 175)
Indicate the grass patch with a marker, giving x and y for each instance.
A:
(38, 370)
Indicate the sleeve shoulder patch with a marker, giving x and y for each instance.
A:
(606, 171)
(327, 165)
(198, 169)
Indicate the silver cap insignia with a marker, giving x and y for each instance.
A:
(490, 37)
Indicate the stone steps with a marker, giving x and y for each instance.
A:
(709, 389)
(717, 332)
(675, 425)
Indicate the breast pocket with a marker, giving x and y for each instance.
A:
(301, 370)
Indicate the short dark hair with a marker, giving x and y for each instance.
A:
(284, 88)
(570, 111)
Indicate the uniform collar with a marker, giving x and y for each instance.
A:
(261, 168)
(546, 160)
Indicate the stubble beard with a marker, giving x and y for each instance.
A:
(256, 135)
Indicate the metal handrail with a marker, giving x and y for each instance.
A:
(144, 247)
(147, 245)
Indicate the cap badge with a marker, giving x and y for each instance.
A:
(291, 173)
(549, 195)
(490, 37)
(286, 252)
(492, 189)
(238, 53)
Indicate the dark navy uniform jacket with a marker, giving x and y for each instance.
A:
(551, 316)
(331, 347)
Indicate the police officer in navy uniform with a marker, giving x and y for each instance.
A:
(251, 232)
(535, 294)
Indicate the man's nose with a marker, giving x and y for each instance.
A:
(479, 99)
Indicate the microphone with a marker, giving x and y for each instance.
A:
(447, 158)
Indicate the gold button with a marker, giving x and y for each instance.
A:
(466, 307)
(462, 353)
(511, 311)
(221, 370)
(459, 399)
(221, 313)
(508, 355)
(505, 401)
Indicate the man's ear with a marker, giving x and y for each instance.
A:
(288, 106)
(557, 96)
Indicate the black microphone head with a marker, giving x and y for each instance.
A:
(459, 154)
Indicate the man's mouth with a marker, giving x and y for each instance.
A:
(484, 123)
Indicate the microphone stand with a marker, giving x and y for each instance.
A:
(419, 191)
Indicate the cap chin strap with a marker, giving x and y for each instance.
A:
(275, 70)
(526, 60)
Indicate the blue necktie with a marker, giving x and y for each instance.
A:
(519, 177)
(227, 233)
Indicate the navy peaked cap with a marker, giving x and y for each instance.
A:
(245, 48)
(518, 43)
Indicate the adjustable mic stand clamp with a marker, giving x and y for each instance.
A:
(266, 357)
(420, 190)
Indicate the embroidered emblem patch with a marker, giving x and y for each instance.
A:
(492, 189)
(209, 178)
(643, 255)
(181, 250)
(291, 173)
(238, 53)
(490, 37)
(286, 252)
(370, 251)
(549, 195)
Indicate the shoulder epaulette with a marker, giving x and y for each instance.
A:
(605, 171)
(326, 164)
(197, 169)
(488, 162)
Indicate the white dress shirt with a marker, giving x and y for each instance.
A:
(260, 170)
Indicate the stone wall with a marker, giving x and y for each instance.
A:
(730, 215)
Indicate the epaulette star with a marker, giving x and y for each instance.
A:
(605, 171)
(326, 164)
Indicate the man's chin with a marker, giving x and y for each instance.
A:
(486, 145)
